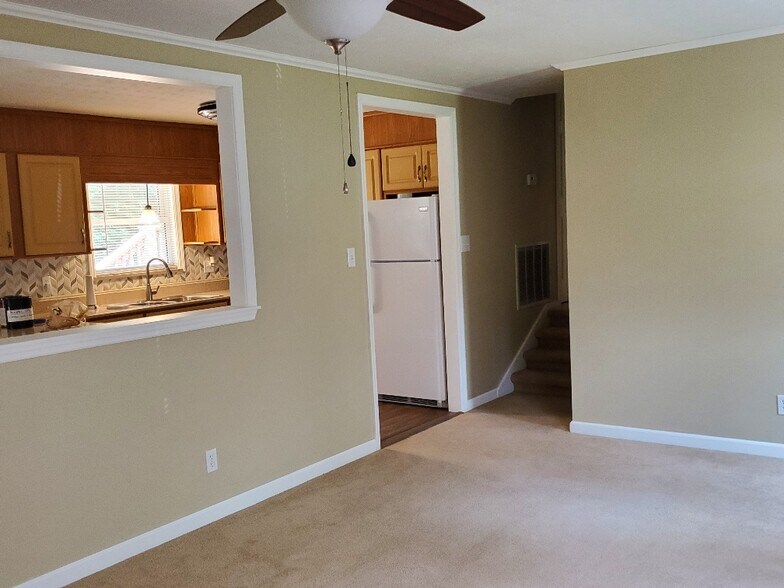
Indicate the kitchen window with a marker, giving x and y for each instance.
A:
(124, 235)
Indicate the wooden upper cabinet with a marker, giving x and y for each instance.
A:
(410, 169)
(386, 129)
(430, 165)
(373, 174)
(6, 231)
(52, 197)
(402, 169)
(202, 218)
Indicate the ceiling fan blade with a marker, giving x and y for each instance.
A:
(447, 14)
(253, 20)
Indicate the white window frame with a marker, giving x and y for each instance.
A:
(157, 268)
(236, 204)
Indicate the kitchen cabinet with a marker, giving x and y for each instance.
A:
(202, 221)
(410, 169)
(6, 231)
(53, 205)
(373, 174)
(430, 166)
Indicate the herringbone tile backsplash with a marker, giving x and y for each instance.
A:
(25, 277)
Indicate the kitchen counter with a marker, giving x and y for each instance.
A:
(112, 312)
(119, 312)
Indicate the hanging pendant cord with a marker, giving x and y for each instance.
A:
(342, 138)
(348, 99)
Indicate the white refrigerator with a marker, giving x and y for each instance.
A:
(405, 261)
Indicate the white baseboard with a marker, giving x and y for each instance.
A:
(727, 444)
(483, 399)
(505, 386)
(122, 551)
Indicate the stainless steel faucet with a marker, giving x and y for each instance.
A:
(150, 291)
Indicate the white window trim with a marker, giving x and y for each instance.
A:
(156, 269)
(236, 205)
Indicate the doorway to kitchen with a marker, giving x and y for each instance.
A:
(411, 221)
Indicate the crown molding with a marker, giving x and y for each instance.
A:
(145, 34)
(671, 48)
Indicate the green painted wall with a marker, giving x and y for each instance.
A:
(99, 446)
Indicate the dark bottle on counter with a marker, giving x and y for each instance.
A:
(16, 312)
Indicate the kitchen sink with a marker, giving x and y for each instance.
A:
(191, 298)
(162, 301)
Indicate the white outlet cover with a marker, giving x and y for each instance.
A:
(465, 243)
(351, 257)
(212, 460)
(780, 404)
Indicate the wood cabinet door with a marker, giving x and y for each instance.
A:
(6, 232)
(401, 168)
(373, 174)
(430, 165)
(52, 205)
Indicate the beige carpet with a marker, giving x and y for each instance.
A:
(503, 496)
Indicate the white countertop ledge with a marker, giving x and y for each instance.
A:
(99, 334)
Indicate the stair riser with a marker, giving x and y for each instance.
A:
(557, 320)
(544, 390)
(548, 366)
(547, 343)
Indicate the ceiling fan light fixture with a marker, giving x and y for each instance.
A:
(208, 110)
(336, 19)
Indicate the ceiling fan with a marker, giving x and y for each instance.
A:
(329, 20)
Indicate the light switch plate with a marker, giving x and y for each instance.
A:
(532, 179)
(465, 243)
(780, 404)
(351, 257)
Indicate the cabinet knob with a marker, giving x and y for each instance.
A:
(425, 173)
(84, 236)
(419, 173)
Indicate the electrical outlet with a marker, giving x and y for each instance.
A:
(780, 403)
(532, 179)
(209, 264)
(212, 460)
(351, 257)
(465, 243)
(49, 288)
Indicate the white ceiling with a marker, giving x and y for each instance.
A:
(509, 54)
(26, 85)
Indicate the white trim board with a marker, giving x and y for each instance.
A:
(141, 543)
(488, 396)
(505, 386)
(726, 444)
(145, 34)
(451, 256)
(236, 203)
(671, 48)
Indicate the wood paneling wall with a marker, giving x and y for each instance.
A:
(54, 133)
(385, 129)
(109, 150)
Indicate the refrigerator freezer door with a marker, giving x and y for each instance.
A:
(409, 330)
(404, 230)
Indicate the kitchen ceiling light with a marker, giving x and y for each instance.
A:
(149, 216)
(208, 110)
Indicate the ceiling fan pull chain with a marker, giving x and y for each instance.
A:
(352, 161)
(342, 137)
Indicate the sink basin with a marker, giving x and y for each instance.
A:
(150, 302)
(191, 298)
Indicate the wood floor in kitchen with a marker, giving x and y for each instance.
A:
(400, 421)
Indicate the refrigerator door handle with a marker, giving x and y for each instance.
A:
(374, 287)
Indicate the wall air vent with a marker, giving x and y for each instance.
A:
(533, 273)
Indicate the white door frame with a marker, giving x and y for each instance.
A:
(451, 260)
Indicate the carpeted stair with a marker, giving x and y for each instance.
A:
(548, 367)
